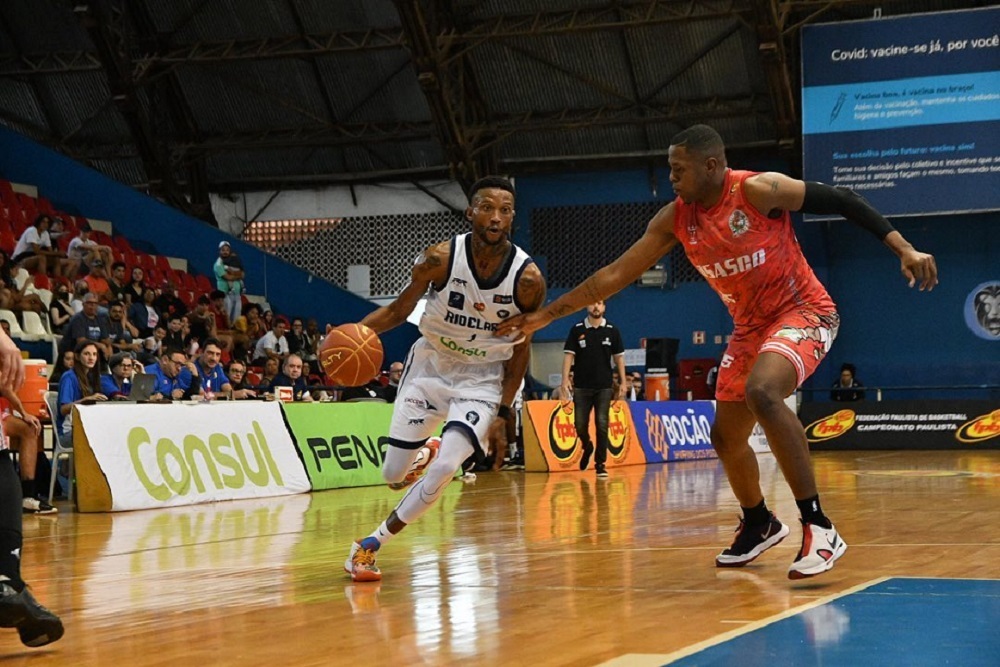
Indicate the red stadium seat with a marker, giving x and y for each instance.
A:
(42, 281)
(203, 284)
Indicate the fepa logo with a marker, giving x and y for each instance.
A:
(617, 430)
(979, 429)
(833, 426)
(562, 432)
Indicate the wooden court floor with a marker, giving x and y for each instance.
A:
(514, 569)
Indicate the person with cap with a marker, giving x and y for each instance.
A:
(84, 251)
(229, 279)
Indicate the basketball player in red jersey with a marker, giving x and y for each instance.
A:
(736, 229)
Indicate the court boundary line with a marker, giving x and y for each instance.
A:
(668, 658)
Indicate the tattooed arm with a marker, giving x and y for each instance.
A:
(431, 268)
(655, 243)
(770, 193)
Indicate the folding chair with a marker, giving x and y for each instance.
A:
(62, 445)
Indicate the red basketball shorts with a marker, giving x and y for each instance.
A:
(801, 336)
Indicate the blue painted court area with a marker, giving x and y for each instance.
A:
(894, 622)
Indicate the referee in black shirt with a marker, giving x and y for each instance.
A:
(592, 347)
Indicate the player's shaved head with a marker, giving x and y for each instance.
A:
(701, 140)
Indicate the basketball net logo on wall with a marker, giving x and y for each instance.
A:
(563, 439)
(979, 429)
(833, 426)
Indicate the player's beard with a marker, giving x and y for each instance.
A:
(484, 237)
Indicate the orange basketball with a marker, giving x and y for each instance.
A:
(351, 355)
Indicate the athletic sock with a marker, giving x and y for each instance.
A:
(758, 515)
(378, 538)
(28, 488)
(812, 513)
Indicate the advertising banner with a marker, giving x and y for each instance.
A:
(182, 454)
(551, 443)
(902, 425)
(342, 444)
(674, 430)
(905, 110)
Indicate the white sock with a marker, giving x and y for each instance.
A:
(382, 534)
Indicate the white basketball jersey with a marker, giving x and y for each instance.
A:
(460, 319)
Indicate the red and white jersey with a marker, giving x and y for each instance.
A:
(753, 262)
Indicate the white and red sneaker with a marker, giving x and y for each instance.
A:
(425, 455)
(360, 563)
(821, 547)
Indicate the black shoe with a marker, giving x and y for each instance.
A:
(37, 625)
(752, 541)
(588, 450)
(602, 471)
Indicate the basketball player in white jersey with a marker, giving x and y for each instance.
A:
(458, 372)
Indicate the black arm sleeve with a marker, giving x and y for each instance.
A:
(822, 199)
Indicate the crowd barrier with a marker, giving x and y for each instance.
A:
(131, 457)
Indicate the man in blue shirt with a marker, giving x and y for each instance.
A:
(173, 378)
(210, 372)
(291, 376)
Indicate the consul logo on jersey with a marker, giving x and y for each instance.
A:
(732, 266)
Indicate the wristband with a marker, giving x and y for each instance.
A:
(504, 412)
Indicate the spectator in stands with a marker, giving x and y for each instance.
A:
(136, 288)
(80, 290)
(201, 326)
(175, 332)
(97, 282)
(228, 271)
(116, 283)
(211, 375)
(124, 335)
(142, 314)
(395, 375)
(637, 392)
(172, 374)
(24, 430)
(34, 250)
(81, 383)
(60, 310)
(251, 325)
(64, 362)
(268, 319)
(86, 325)
(848, 387)
(291, 376)
(12, 298)
(117, 384)
(272, 345)
(237, 373)
(296, 336)
(85, 252)
(271, 369)
(152, 347)
(168, 302)
(313, 337)
(232, 340)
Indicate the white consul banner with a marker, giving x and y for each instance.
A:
(187, 453)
